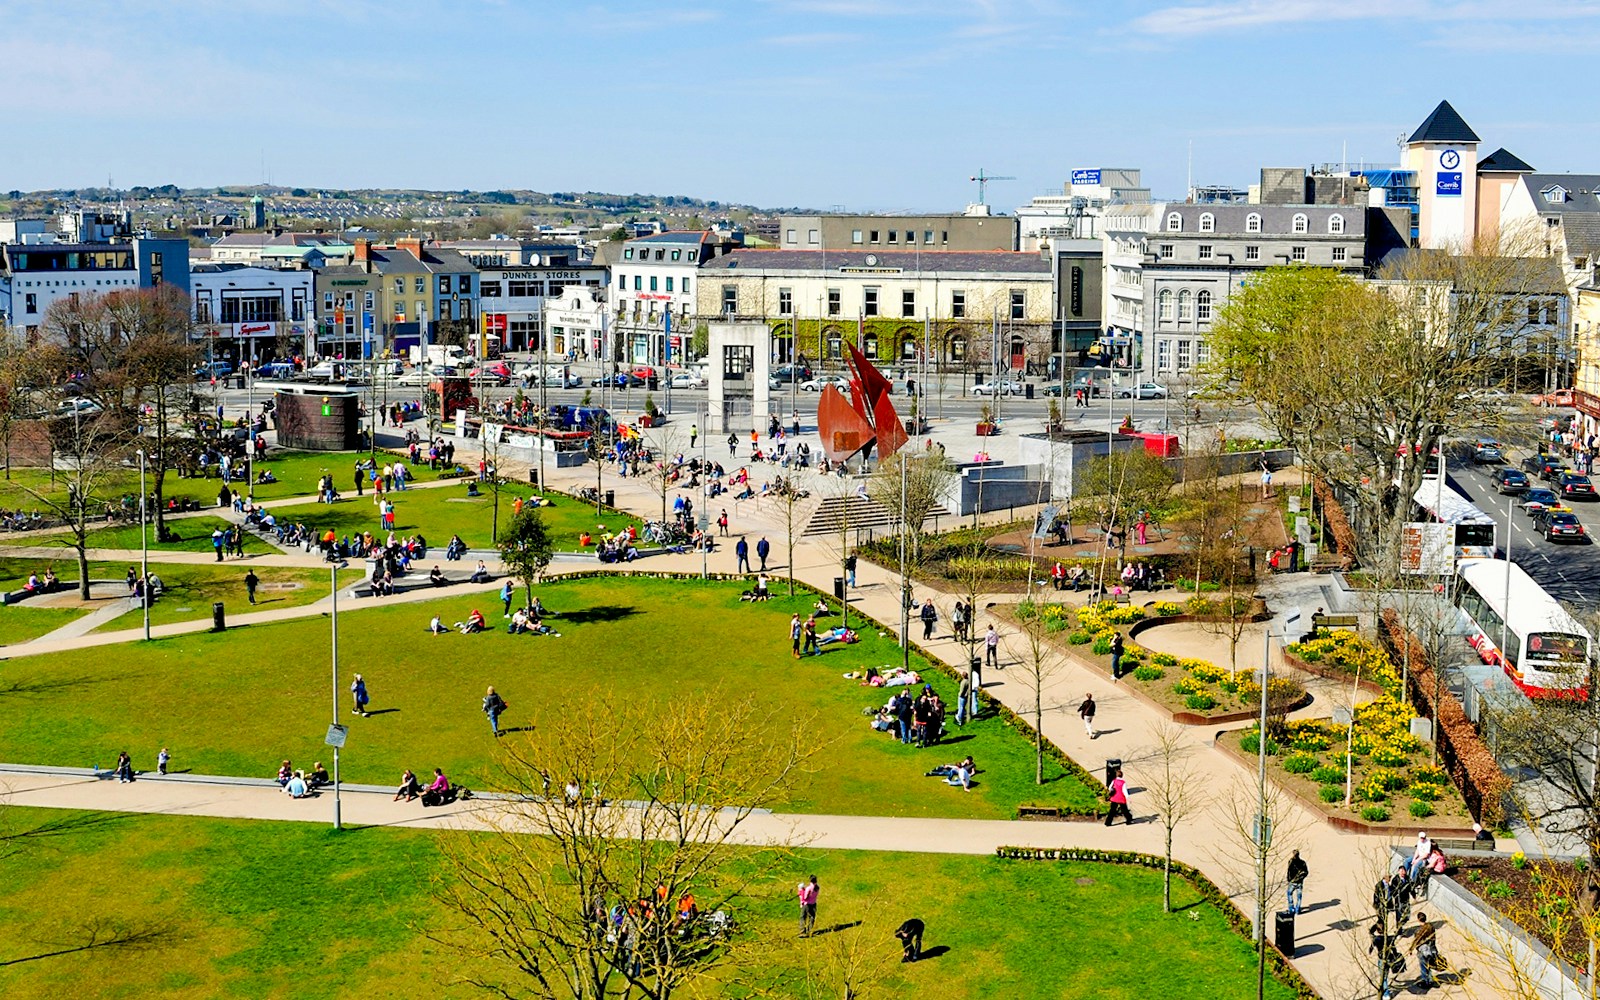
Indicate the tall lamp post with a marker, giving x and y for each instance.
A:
(335, 731)
(1262, 831)
(144, 548)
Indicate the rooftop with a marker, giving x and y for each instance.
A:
(926, 261)
(1444, 125)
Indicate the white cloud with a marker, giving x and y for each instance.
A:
(1198, 19)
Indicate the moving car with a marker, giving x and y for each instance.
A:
(1546, 467)
(213, 369)
(1537, 499)
(1005, 387)
(1487, 452)
(495, 372)
(687, 380)
(1560, 525)
(422, 374)
(1574, 486)
(1509, 481)
(823, 381)
(275, 369)
(1144, 390)
(621, 380)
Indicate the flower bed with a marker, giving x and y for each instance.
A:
(1543, 897)
(1194, 690)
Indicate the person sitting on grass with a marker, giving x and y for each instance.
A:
(883, 722)
(959, 773)
(51, 582)
(436, 577)
(820, 609)
(409, 788)
(285, 772)
(436, 626)
(318, 776)
(473, 624)
(296, 786)
(538, 610)
(33, 585)
(472, 488)
(519, 621)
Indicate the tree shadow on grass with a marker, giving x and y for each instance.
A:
(47, 686)
(14, 840)
(597, 614)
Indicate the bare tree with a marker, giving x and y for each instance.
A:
(1261, 825)
(913, 484)
(638, 814)
(1175, 790)
(1037, 669)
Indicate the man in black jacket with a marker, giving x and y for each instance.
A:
(910, 935)
(1298, 871)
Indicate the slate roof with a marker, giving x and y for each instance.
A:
(965, 261)
(1504, 161)
(1444, 125)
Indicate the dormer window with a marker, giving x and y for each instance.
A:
(1301, 223)
(1174, 223)
(1252, 223)
(1555, 194)
(1336, 224)
(1208, 223)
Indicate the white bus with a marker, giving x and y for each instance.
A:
(1473, 536)
(1546, 650)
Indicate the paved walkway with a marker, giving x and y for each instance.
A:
(1344, 867)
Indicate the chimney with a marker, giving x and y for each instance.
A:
(411, 245)
(363, 249)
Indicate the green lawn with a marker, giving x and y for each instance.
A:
(194, 535)
(256, 909)
(24, 622)
(239, 702)
(189, 590)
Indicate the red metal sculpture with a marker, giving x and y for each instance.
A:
(854, 426)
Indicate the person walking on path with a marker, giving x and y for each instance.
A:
(1086, 713)
(910, 935)
(358, 695)
(763, 548)
(1116, 657)
(162, 760)
(1266, 481)
(806, 892)
(722, 523)
(694, 434)
(733, 444)
(361, 478)
(216, 542)
(251, 581)
(1383, 944)
(929, 616)
(1118, 794)
(1425, 946)
(958, 622)
(991, 645)
(494, 706)
(1298, 872)
(850, 570)
(741, 548)
(506, 593)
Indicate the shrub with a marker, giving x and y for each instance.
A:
(1252, 744)
(1102, 644)
(1187, 686)
(1425, 792)
(1299, 763)
(1421, 809)
(1162, 609)
(1499, 889)
(1430, 775)
(1148, 673)
(1327, 775)
(1209, 672)
(1374, 814)
(1164, 660)
(1390, 756)
(1079, 637)
(1229, 684)
(1200, 702)
(1331, 793)
(1310, 655)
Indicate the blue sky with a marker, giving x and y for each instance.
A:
(859, 104)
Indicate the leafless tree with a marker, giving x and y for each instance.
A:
(1173, 788)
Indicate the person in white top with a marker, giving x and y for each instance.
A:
(1419, 859)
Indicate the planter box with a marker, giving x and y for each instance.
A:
(987, 429)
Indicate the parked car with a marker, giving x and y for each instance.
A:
(1004, 387)
(621, 380)
(1546, 467)
(421, 375)
(1144, 390)
(495, 372)
(1537, 499)
(687, 380)
(275, 369)
(1509, 481)
(1560, 525)
(823, 381)
(213, 369)
(790, 373)
(1487, 452)
(1561, 397)
(80, 406)
(1574, 486)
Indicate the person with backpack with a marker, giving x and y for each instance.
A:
(494, 706)
(358, 695)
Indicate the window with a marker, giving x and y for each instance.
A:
(669, 282)
(894, 235)
(927, 237)
(31, 303)
(1202, 352)
(1183, 306)
(464, 284)
(1164, 304)
(1252, 223)
(327, 301)
(1174, 223)
(1301, 223)
(400, 287)
(785, 302)
(813, 237)
(835, 345)
(202, 307)
(444, 284)
(1185, 347)
(872, 236)
(908, 347)
(1205, 251)
(788, 236)
(869, 298)
(958, 347)
(661, 255)
(1166, 251)
(675, 254)
(419, 285)
(1252, 253)
(693, 254)
(444, 309)
(627, 253)
(366, 300)
(944, 237)
(520, 288)
(1533, 313)
(1336, 224)
(1019, 302)
(1339, 254)
(653, 283)
(638, 283)
(855, 236)
(908, 303)
(686, 286)
(1164, 355)
(958, 305)
(730, 300)
(833, 303)
(1297, 254)
(869, 345)
(1202, 306)
(1208, 223)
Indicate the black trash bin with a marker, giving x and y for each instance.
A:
(838, 588)
(611, 498)
(1113, 765)
(219, 621)
(1027, 390)
(976, 666)
(1283, 932)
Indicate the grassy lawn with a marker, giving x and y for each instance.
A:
(188, 591)
(238, 702)
(446, 510)
(259, 909)
(24, 623)
(194, 535)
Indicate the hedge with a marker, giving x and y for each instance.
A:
(1281, 968)
(1344, 536)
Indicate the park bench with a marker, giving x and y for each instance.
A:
(1322, 620)
(1122, 598)
(1038, 812)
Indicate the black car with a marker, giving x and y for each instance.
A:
(621, 380)
(1545, 467)
(1561, 526)
(1537, 499)
(1509, 481)
(1574, 486)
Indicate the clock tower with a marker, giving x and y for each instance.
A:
(1443, 155)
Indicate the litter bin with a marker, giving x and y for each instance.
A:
(219, 621)
(611, 498)
(533, 476)
(1283, 932)
(1027, 390)
(1113, 765)
(975, 665)
(838, 588)
(238, 381)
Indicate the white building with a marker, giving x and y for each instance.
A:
(39, 272)
(516, 280)
(653, 293)
(1075, 213)
(249, 313)
(1442, 154)
(579, 322)
(1124, 235)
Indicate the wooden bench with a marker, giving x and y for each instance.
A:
(1454, 845)
(1038, 812)
(1122, 599)
(1320, 620)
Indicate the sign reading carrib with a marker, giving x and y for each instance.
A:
(1449, 183)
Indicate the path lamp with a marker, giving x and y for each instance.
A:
(144, 548)
(1261, 832)
(336, 732)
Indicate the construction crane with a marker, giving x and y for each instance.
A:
(983, 180)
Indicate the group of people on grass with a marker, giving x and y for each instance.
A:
(298, 783)
(437, 792)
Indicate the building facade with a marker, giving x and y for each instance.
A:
(391, 299)
(655, 279)
(975, 230)
(36, 274)
(1075, 213)
(517, 280)
(579, 322)
(1125, 236)
(245, 313)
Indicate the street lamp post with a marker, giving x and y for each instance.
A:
(144, 548)
(333, 587)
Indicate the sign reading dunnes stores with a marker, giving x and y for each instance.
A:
(556, 275)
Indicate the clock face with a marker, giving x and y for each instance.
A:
(1449, 159)
(872, 259)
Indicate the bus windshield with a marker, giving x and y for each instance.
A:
(1557, 647)
(1476, 535)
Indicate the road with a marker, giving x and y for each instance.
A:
(1569, 571)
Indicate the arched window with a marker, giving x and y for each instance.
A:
(1301, 223)
(1208, 223)
(956, 347)
(1183, 305)
(1174, 223)
(835, 345)
(869, 345)
(908, 346)
(1336, 224)
(1252, 223)
(1202, 306)
(1164, 304)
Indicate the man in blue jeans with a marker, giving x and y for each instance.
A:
(1298, 871)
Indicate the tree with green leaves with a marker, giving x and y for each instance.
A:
(525, 547)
